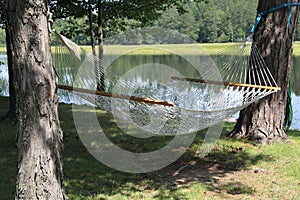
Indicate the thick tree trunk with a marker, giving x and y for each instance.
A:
(39, 134)
(263, 121)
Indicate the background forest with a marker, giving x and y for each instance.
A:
(205, 22)
(213, 21)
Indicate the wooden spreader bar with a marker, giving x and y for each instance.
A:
(118, 96)
(225, 83)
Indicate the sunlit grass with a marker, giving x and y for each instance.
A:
(296, 51)
(164, 49)
(182, 49)
(187, 49)
(2, 49)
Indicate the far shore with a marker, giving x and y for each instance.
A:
(186, 49)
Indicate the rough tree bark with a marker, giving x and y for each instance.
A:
(263, 121)
(38, 129)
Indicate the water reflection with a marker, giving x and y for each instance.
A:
(3, 76)
(124, 64)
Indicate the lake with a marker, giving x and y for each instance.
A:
(66, 97)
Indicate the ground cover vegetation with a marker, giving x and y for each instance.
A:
(234, 169)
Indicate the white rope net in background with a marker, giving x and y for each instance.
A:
(166, 100)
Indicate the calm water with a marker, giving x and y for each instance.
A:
(66, 97)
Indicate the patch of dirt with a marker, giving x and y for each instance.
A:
(224, 176)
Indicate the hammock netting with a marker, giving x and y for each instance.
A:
(163, 99)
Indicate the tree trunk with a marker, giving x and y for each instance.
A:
(100, 78)
(38, 129)
(11, 114)
(263, 121)
(90, 14)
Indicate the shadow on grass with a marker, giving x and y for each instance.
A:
(87, 177)
(293, 133)
(8, 156)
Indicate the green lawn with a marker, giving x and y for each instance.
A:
(182, 49)
(233, 170)
(188, 49)
(2, 49)
(185, 49)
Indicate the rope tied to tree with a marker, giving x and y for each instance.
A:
(289, 107)
(260, 15)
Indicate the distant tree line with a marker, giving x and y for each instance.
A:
(204, 21)
(215, 21)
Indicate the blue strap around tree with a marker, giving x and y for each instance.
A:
(262, 14)
(289, 108)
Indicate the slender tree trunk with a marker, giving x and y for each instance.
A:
(38, 129)
(263, 121)
(101, 81)
(11, 114)
(90, 14)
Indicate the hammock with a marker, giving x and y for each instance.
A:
(176, 101)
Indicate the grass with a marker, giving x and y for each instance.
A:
(296, 51)
(188, 49)
(164, 49)
(2, 49)
(234, 169)
(185, 49)
(182, 49)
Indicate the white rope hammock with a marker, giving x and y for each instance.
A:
(185, 103)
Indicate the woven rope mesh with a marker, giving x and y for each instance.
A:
(200, 96)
